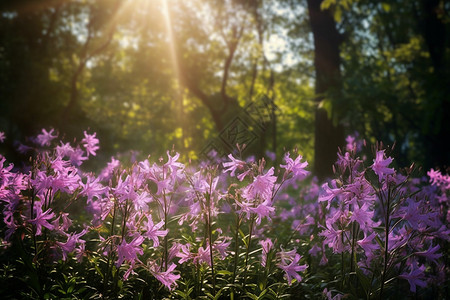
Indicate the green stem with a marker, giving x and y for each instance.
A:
(236, 247)
(109, 263)
(386, 243)
(166, 249)
(248, 249)
(210, 243)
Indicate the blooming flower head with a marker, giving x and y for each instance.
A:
(380, 165)
(71, 243)
(351, 145)
(415, 277)
(42, 218)
(263, 210)
(153, 231)
(45, 138)
(221, 247)
(234, 165)
(76, 157)
(266, 245)
(92, 188)
(64, 150)
(129, 251)
(2, 136)
(261, 186)
(293, 268)
(296, 167)
(167, 277)
(172, 164)
(90, 142)
(203, 256)
(431, 254)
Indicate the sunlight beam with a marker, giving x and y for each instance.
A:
(175, 63)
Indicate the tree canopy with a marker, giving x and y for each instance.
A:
(202, 75)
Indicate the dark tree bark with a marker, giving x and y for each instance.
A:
(437, 41)
(328, 136)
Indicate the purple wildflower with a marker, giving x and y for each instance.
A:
(153, 231)
(292, 269)
(296, 167)
(90, 142)
(234, 165)
(129, 251)
(266, 245)
(71, 243)
(380, 165)
(167, 278)
(431, 254)
(41, 219)
(45, 138)
(415, 277)
(261, 186)
(221, 247)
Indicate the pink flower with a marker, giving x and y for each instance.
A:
(314, 250)
(90, 142)
(261, 186)
(167, 278)
(141, 200)
(333, 238)
(266, 245)
(92, 188)
(172, 163)
(367, 244)
(185, 253)
(351, 145)
(64, 150)
(430, 254)
(108, 171)
(263, 210)
(76, 157)
(45, 137)
(221, 247)
(153, 231)
(292, 269)
(203, 256)
(363, 215)
(71, 243)
(329, 193)
(2, 136)
(328, 295)
(129, 251)
(415, 277)
(41, 219)
(380, 165)
(233, 166)
(295, 167)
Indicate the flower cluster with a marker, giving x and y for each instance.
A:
(131, 211)
(217, 228)
(386, 223)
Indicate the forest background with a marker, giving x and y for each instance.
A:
(152, 75)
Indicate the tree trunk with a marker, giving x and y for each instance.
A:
(328, 136)
(436, 39)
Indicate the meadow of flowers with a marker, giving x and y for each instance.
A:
(227, 228)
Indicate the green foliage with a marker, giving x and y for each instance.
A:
(149, 77)
(393, 89)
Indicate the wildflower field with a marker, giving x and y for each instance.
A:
(224, 228)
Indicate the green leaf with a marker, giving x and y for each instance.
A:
(338, 15)
(224, 272)
(365, 282)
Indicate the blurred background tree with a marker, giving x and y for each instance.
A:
(152, 75)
